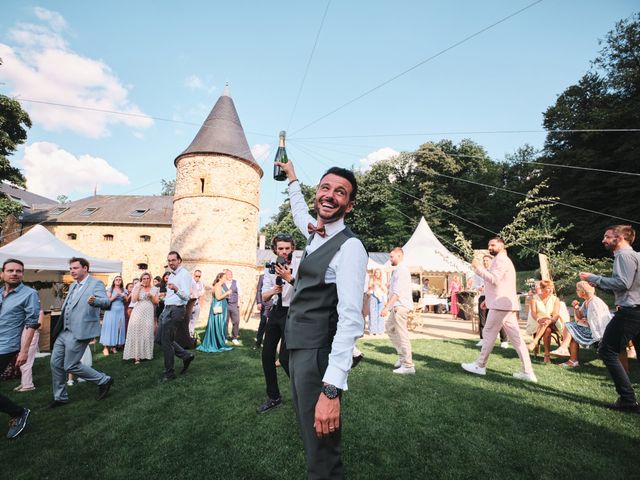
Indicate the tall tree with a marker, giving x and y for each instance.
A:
(605, 98)
(14, 122)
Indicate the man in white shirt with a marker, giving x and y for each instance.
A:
(178, 294)
(398, 306)
(325, 316)
(277, 288)
(197, 291)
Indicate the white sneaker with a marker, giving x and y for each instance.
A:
(405, 370)
(235, 341)
(480, 343)
(504, 344)
(474, 368)
(529, 377)
(398, 364)
(70, 383)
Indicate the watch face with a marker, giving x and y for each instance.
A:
(330, 391)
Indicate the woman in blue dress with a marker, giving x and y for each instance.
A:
(377, 299)
(113, 325)
(214, 337)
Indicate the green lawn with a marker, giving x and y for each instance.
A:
(440, 423)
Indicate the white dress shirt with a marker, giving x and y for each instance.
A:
(269, 281)
(182, 279)
(347, 270)
(401, 286)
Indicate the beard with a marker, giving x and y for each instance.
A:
(611, 246)
(493, 253)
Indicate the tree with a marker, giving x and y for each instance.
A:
(168, 187)
(13, 124)
(607, 97)
(63, 199)
(282, 220)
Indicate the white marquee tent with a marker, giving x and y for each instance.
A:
(424, 252)
(39, 249)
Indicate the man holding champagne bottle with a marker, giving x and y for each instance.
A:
(325, 314)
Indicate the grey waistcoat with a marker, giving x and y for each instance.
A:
(313, 314)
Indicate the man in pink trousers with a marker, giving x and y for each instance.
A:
(502, 301)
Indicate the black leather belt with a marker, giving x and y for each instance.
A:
(623, 307)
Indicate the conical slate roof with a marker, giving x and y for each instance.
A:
(222, 132)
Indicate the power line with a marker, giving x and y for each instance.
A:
(441, 52)
(476, 132)
(125, 114)
(549, 200)
(306, 70)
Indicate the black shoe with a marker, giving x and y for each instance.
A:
(257, 346)
(624, 407)
(167, 378)
(56, 404)
(357, 360)
(103, 389)
(186, 363)
(269, 405)
(17, 424)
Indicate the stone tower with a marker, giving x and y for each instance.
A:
(216, 203)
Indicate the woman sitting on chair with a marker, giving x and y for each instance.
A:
(591, 318)
(545, 309)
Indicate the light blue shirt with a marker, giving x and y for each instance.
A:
(20, 308)
(182, 279)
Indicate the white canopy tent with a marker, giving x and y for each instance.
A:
(39, 249)
(424, 252)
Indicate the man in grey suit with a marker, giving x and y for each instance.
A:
(80, 323)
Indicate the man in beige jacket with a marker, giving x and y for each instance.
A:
(502, 301)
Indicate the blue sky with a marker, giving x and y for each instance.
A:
(170, 60)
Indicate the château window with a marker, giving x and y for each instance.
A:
(138, 212)
(108, 237)
(88, 211)
(143, 266)
(58, 210)
(72, 236)
(145, 238)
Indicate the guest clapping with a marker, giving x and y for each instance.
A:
(139, 344)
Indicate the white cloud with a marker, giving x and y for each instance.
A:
(259, 150)
(373, 157)
(54, 19)
(40, 65)
(194, 82)
(52, 171)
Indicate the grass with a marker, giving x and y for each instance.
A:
(440, 423)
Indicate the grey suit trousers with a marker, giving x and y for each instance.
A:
(65, 358)
(323, 456)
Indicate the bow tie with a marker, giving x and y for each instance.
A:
(316, 230)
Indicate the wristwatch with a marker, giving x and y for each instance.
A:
(330, 391)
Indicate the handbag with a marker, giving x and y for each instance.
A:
(217, 309)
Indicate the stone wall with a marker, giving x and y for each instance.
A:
(126, 244)
(215, 220)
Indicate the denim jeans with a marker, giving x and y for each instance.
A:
(624, 326)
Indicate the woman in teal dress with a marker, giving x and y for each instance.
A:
(214, 337)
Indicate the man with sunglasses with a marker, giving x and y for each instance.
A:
(277, 287)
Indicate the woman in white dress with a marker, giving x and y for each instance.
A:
(139, 343)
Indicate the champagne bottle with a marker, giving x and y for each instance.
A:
(281, 156)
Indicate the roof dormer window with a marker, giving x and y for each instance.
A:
(88, 211)
(138, 212)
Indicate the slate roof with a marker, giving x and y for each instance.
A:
(222, 133)
(117, 209)
(28, 200)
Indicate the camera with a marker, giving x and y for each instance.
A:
(271, 266)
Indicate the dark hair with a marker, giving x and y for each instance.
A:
(82, 261)
(173, 252)
(113, 284)
(347, 175)
(157, 278)
(218, 277)
(282, 237)
(625, 231)
(165, 274)
(12, 260)
(497, 239)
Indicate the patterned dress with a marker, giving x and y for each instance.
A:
(139, 343)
